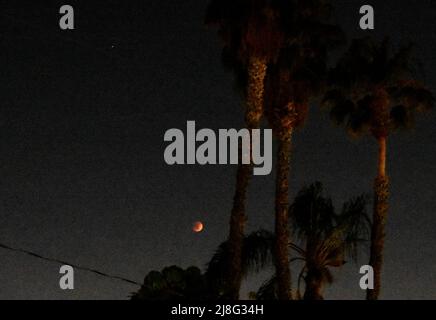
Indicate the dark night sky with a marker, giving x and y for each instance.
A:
(82, 175)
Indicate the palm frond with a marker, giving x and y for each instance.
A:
(268, 290)
(300, 277)
(340, 107)
(257, 251)
(357, 224)
(311, 213)
(415, 96)
(298, 249)
(256, 255)
(215, 268)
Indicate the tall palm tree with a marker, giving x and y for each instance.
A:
(375, 93)
(252, 38)
(295, 79)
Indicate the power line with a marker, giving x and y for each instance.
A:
(97, 272)
(36, 255)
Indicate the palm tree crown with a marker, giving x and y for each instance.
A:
(247, 27)
(374, 89)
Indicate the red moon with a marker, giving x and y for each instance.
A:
(197, 227)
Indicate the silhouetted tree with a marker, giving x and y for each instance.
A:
(291, 83)
(174, 283)
(252, 38)
(255, 255)
(374, 92)
(327, 238)
(256, 31)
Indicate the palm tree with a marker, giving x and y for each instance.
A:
(326, 238)
(374, 92)
(285, 112)
(291, 83)
(252, 39)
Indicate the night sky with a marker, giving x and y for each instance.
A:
(82, 175)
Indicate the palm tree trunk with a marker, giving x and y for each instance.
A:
(313, 287)
(236, 237)
(255, 92)
(382, 142)
(381, 196)
(283, 272)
